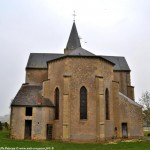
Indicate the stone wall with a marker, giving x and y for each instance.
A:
(96, 75)
(123, 77)
(116, 110)
(17, 122)
(46, 88)
(131, 113)
(131, 92)
(36, 76)
(56, 80)
(41, 116)
(72, 74)
(126, 111)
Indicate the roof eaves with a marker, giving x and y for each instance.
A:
(65, 56)
(40, 68)
(56, 59)
(31, 105)
(117, 70)
(120, 62)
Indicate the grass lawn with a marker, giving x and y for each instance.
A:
(55, 145)
(146, 133)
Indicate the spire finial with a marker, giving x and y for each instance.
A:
(74, 15)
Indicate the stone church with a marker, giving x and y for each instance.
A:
(76, 96)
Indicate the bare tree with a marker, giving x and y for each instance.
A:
(145, 102)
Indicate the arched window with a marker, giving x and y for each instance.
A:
(56, 103)
(83, 103)
(107, 104)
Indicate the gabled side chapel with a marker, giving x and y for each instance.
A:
(76, 96)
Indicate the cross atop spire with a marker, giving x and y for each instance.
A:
(74, 15)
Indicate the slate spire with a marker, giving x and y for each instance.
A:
(74, 40)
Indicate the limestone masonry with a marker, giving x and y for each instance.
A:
(76, 96)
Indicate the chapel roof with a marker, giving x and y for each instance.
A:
(29, 95)
(39, 60)
(120, 63)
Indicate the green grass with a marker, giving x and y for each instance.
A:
(146, 133)
(128, 145)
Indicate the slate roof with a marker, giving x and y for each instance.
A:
(81, 51)
(38, 60)
(73, 41)
(120, 63)
(29, 95)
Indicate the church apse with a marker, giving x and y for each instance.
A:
(76, 96)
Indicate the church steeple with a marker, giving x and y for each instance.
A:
(73, 41)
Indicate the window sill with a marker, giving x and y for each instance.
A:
(108, 120)
(56, 120)
(83, 120)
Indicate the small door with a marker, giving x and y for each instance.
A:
(28, 129)
(124, 130)
(49, 131)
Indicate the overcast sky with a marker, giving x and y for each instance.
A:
(109, 27)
